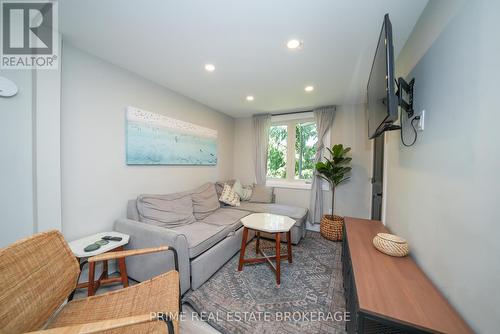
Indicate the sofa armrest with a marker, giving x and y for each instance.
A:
(144, 235)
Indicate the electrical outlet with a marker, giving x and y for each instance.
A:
(421, 121)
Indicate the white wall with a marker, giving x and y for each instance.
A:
(47, 131)
(16, 159)
(96, 182)
(349, 128)
(429, 26)
(30, 176)
(442, 193)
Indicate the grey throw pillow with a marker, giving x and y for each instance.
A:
(262, 194)
(166, 210)
(205, 200)
(245, 193)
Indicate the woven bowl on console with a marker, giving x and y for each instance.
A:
(331, 227)
(391, 244)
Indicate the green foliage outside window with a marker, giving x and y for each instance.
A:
(305, 150)
(276, 157)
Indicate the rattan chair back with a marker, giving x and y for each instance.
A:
(36, 276)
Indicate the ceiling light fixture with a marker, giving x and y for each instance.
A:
(294, 44)
(250, 98)
(209, 67)
(309, 89)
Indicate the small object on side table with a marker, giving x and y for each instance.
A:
(110, 238)
(95, 245)
(91, 247)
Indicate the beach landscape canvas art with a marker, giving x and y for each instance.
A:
(155, 139)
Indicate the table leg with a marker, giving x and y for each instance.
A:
(91, 279)
(81, 263)
(278, 259)
(257, 243)
(123, 271)
(243, 247)
(289, 245)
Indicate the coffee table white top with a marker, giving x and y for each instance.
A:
(267, 222)
(78, 246)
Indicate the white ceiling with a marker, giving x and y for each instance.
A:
(170, 41)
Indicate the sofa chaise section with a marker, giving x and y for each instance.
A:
(203, 246)
(205, 235)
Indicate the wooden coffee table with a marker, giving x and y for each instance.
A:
(270, 223)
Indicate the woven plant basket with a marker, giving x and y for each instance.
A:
(391, 244)
(331, 227)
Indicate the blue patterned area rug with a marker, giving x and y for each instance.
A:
(309, 300)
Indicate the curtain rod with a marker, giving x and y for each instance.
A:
(292, 112)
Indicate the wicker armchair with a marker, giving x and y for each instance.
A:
(37, 274)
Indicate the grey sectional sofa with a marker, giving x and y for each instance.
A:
(205, 238)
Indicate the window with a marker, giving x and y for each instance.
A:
(276, 156)
(292, 148)
(305, 150)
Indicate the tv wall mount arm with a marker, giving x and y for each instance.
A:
(405, 101)
(405, 95)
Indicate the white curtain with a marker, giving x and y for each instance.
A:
(324, 119)
(261, 125)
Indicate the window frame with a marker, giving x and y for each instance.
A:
(291, 120)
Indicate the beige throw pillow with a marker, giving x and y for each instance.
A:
(228, 196)
(219, 185)
(262, 194)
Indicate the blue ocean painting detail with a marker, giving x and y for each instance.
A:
(154, 139)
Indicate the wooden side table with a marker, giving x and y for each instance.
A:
(270, 223)
(78, 246)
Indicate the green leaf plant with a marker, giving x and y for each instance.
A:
(336, 168)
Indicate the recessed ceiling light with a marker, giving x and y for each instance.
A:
(294, 44)
(309, 89)
(250, 98)
(210, 67)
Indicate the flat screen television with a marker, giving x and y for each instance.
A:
(382, 100)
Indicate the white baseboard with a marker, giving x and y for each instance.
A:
(312, 227)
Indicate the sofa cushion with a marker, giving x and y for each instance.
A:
(226, 217)
(132, 212)
(201, 236)
(166, 210)
(205, 200)
(262, 194)
(294, 212)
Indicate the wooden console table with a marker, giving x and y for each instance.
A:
(387, 294)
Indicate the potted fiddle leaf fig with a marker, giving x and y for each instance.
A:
(335, 171)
